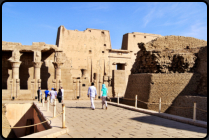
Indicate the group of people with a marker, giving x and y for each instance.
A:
(53, 94)
(92, 93)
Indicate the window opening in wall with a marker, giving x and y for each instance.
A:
(120, 67)
(89, 30)
(144, 36)
(83, 85)
(104, 44)
(134, 35)
(102, 32)
(102, 51)
(90, 51)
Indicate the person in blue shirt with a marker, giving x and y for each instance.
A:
(104, 95)
(46, 94)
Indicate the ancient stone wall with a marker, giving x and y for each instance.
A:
(176, 67)
(174, 54)
(182, 102)
(150, 87)
(202, 69)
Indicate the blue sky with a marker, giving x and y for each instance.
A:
(27, 22)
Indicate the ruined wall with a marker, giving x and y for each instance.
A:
(202, 69)
(174, 54)
(188, 101)
(129, 42)
(174, 66)
(150, 87)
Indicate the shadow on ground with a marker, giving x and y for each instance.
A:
(154, 120)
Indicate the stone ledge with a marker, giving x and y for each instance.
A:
(56, 125)
(164, 115)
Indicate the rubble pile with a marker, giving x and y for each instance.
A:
(169, 54)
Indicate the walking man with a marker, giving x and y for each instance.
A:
(93, 93)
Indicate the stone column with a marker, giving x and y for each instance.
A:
(15, 78)
(36, 82)
(37, 76)
(15, 63)
(57, 66)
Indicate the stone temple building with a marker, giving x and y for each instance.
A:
(77, 59)
(151, 66)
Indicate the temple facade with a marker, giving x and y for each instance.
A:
(77, 59)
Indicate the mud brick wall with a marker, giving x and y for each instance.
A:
(149, 87)
(175, 43)
(188, 101)
(164, 61)
(202, 69)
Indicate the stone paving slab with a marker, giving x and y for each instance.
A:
(116, 122)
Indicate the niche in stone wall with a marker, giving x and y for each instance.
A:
(24, 74)
(120, 66)
(5, 68)
(45, 75)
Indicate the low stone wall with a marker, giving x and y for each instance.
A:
(150, 87)
(181, 102)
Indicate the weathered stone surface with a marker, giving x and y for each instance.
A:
(170, 68)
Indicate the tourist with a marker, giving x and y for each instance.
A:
(62, 93)
(52, 94)
(46, 94)
(104, 95)
(59, 95)
(39, 94)
(93, 93)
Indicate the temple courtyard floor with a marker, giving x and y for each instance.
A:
(117, 122)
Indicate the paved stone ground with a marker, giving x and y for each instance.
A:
(116, 122)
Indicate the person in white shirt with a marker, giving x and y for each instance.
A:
(62, 93)
(93, 93)
(52, 94)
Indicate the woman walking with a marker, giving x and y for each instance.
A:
(104, 95)
(59, 96)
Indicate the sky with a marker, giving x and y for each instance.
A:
(27, 22)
